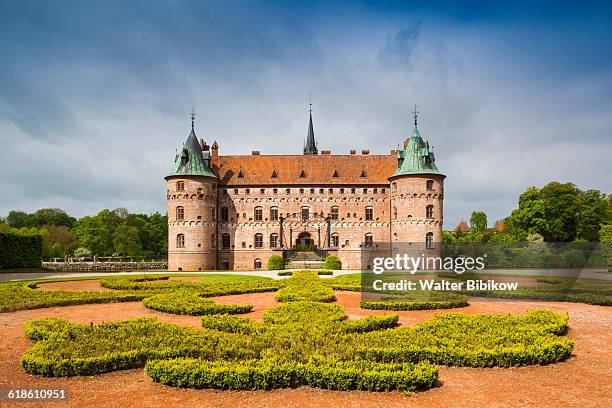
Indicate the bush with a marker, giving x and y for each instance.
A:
(290, 273)
(371, 323)
(66, 349)
(187, 302)
(413, 305)
(275, 263)
(230, 324)
(473, 341)
(332, 263)
(20, 249)
(305, 285)
(268, 374)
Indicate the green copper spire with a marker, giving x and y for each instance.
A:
(311, 145)
(190, 160)
(417, 157)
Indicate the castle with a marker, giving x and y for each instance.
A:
(234, 212)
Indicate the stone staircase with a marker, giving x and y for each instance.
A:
(304, 260)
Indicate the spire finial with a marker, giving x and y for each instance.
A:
(415, 114)
(310, 102)
(192, 116)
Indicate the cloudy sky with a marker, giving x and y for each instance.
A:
(95, 96)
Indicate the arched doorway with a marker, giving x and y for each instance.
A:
(304, 238)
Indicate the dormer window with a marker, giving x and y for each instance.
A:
(240, 174)
(302, 174)
(363, 173)
(336, 175)
(274, 174)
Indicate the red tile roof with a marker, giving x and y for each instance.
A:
(317, 169)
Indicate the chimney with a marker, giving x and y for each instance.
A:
(255, 152)
(365, 152)
(215, 150)
(325, 151)
(353, 151)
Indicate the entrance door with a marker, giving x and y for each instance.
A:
(304, 238)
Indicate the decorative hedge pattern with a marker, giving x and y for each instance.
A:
(299, 343)
(186, 302)
(305, 286)
(268, 374)
(20, 250)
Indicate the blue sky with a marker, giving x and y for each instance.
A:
(95, 96)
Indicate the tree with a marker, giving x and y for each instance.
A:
(19, 219)
(592, 212)
(93, 234)
(478, 221)
(52, 216)
(126, 240)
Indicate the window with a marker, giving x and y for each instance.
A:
(393, 186)
(200, 191)
(429, 211)
(212, 213)
(224, 214)
(312, 191)
(321, 191)
(369, 214)
(273, 240)
(305, 213)
(301, 191)
(274, 214)
(213, 241)
(341, 191)
(247, 191)
(429, 240)
(369, 240)
(258, 240)
(275, 190)
(225, 241)
(258, 214)
(334, 213)
(262, 190)
(353, 191)
(430, 184)
(365, 191)
(335, 240)
(180, 213)
(287, 191)
(180, 241)
(395, 213)
(257, 263)
(180, 186)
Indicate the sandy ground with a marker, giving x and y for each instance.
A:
(584, 380)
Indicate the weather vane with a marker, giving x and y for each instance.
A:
(415, 115)
(192, 115)
(310, 102)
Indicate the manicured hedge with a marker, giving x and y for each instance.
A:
(230, 324)
(20, 250)
(320, 273)
(187, 302)
(275, 263)
(413, 305)
(23, 295)
(268, 374)
(305, 286)
(371, 323)
(333, 263)
(472, 341)
(66, 349)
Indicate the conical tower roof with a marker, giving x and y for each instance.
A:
(416, 158)
(190, 160)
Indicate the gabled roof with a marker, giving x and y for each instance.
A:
(416, 158)
(318, 169)
(190, 160)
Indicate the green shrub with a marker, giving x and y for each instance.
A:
(472, 341)
(296, 312)
(20, 249)
(413, 305)
(333, 263)
(371, 323)
(268, 374)
(230, 324)
(275, 263)
(72, 349)
(187, 302)
(290, 273)
(305, 285)
(285, 273)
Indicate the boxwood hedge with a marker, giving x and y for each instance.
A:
(189, 302)
(305, 286)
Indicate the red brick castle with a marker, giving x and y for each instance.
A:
(234, 212)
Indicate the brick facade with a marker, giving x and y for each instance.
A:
(232, 219)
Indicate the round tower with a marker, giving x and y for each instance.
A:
(417, 193)
(192, 198)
